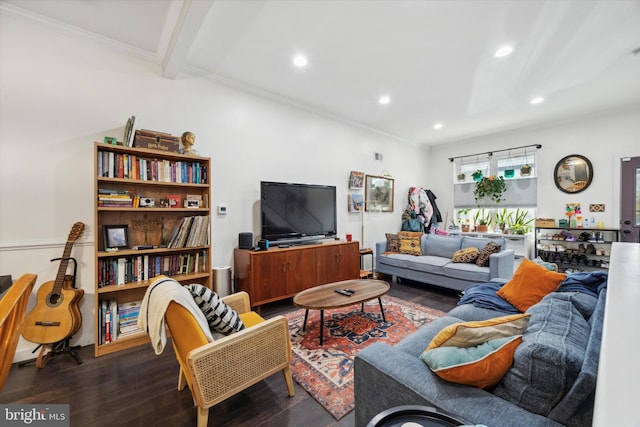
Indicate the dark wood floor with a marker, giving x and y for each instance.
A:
(137, 388)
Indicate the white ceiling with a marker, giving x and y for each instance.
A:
(434, 58)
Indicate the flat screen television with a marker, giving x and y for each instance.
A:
(297, 213)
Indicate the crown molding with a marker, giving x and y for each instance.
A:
(76, 32)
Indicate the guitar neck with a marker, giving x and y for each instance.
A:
(62, 270)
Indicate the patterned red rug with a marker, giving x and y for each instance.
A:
(326, 372)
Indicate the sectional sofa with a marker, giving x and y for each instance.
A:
(551, 380)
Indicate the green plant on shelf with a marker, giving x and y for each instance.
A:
(484, 218)
(520, 224)
(503, 217)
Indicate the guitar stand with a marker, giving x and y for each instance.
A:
(61, 347)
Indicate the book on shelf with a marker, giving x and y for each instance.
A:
(118, 320)
(116, 271)
(115, 198)
(127, 139)
(191, 232)
(129, 166)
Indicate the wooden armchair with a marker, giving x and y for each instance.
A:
(13, 306)
(217, 370)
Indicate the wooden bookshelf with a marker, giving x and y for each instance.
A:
(125, 176)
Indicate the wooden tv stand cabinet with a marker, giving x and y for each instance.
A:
(279, 273)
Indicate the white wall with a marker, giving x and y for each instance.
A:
(59, 95)
(603, 139)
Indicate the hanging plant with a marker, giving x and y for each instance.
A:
(477, 175)
(490, 186)
(509, 172)
(462, 177)
(525, 170)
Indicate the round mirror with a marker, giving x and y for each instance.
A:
(573, 174)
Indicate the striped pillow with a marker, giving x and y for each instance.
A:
(220, 316)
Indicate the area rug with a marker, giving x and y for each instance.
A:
(326, 372)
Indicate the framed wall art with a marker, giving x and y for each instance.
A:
(116, 237)
(356, 180)
(378, 194)
(356, 202)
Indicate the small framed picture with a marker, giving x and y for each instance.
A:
(191, 204)
(356, 202)
(193, 201)
(116, 237)
(356, 180)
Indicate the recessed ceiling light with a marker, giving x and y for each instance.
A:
(300, 61)
(437, 126)
(536, 100)
(384, 99)
(503, 51)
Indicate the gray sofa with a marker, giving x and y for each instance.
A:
(435, 266)
(551, 382)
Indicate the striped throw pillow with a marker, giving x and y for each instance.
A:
(220, 316)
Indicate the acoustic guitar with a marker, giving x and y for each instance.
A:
(56, 315)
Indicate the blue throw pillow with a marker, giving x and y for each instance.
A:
(550, 358)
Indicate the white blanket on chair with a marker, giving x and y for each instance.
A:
(159, 294)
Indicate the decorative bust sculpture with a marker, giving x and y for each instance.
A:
(188, 140)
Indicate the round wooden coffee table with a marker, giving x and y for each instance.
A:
(325, 297)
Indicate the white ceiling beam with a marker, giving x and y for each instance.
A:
(189, 22)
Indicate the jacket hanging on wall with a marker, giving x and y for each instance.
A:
(437, 217)
(418, 212)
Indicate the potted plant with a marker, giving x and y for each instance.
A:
(464, 224)
(492, 187)
(462, 177)
(477, 175)
(520, 224)
(525, 170)
(503, 217)
(484, 221)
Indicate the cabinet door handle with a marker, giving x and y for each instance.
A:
(284, 267)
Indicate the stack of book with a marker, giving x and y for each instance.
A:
(118, 320)
(114, 198)
(128, 318)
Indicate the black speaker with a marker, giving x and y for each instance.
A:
(245, 240)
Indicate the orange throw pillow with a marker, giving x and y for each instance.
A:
(530, 283)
